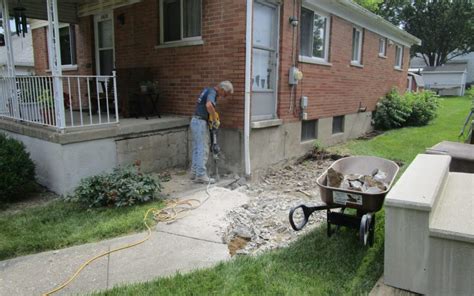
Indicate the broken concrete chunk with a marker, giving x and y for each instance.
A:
(372, 184)
(334, 178)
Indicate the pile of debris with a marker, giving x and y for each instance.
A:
(373, 184)
(263, 224)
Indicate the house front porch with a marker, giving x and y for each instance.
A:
(62, 159)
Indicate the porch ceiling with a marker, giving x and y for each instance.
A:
(36, 9)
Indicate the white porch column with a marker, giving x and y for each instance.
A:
(11, 82)
(55, 62)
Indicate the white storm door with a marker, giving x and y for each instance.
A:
(264, 61)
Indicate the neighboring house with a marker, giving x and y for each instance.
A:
(349, 58)
(417, 64)
(415, 82)
(23, 48)
(448, 79)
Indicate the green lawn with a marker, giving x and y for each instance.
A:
(59, 224)
(315, 265)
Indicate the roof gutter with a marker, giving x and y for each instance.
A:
(380, 20)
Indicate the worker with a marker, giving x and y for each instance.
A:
(205, 112)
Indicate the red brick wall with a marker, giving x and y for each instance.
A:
(182, 72)
(84, 56)
(338, 89)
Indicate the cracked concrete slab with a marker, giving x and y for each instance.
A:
(191, 243)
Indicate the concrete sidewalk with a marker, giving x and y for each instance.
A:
(191, 243)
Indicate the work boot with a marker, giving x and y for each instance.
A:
(192, 176)
(204, 179)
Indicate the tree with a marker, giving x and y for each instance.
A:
(446, 28)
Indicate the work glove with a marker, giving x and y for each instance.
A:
(214, 121)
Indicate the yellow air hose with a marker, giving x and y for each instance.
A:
(173, 211)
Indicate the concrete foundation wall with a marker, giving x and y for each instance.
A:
(273, 144)
(61, 167)
(157, 151)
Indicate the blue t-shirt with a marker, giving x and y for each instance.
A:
(208, 94)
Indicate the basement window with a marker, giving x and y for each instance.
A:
(338, 124)
(180, 20)
(309, 130)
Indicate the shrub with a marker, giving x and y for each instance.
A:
(17, 171)
(424, 107)
(122, 187)
(409, 109)
(392, 111)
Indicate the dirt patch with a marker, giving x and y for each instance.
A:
(236, 244)
(370, 135)
(41, 197)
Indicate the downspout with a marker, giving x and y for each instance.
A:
(248, 60)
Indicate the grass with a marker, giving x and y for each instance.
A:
(315, 264)
(60, 224)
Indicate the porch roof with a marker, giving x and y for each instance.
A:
(68, 10)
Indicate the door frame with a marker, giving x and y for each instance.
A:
(103, 16)
(277, 6)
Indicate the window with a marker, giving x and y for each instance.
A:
(309, 130)
(314, 35)
(180, 20)
(338, 124)
(382, 46)
(398, 56)
(356, 46)
(67, 43)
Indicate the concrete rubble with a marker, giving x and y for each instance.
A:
(263, 222)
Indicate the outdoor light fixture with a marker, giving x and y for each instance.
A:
(121, 19)
(294, 21)
(20, 19)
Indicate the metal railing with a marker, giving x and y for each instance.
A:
(87, 100)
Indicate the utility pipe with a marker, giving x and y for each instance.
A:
(248, 64)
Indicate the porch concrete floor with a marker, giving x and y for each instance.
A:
(190, 243)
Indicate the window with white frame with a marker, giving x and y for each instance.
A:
(382, 46)
(67, 44)
(398, 56)
(356, 46)
(180, 20)
(314, 35)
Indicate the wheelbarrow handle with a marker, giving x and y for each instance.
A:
(307, 211)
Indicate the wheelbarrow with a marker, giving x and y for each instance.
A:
(366, 204)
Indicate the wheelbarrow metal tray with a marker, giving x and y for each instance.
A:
(363, 165)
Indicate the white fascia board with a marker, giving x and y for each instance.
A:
(359, 16)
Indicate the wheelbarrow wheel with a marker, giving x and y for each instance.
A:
(366, 229)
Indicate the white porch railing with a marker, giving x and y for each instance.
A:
(88, 100)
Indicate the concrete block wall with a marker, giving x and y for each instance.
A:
(156, 151)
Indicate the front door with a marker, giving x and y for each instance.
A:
(104, 43)
(264, 60)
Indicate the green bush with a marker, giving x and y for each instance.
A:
(392, 111)
(409, 109)
(424, 107)
(122, 187)
(17, 171)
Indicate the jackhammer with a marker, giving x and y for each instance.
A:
(215, 149)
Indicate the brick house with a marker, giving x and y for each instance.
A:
(348, 58)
